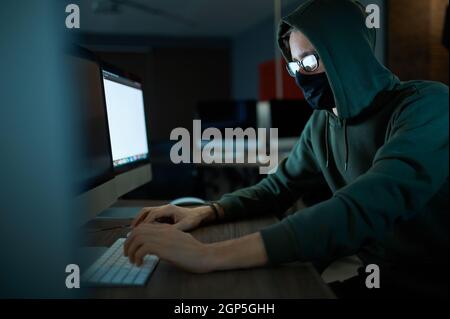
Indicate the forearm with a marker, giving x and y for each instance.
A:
(255, 201)
(274, 194)
(207, 214)
(244, 252)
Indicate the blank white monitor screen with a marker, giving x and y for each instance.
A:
(126, 119)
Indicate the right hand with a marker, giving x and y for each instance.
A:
(183, 218)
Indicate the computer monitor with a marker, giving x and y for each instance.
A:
(127, 129)
(95, 185)
(222, 114)
(290, 117)
(227, 113)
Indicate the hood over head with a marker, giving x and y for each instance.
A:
(338, 31)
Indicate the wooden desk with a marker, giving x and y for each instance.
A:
(296, 280)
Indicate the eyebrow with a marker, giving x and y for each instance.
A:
(306, 53)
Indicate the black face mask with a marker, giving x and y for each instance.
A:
(316, 89)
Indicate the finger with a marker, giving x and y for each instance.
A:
(128, 242)
(146, 228)
(157, 225)
(141, 215)
(139, 230)
(182, 225)
(152, 216)
(166, 214)
(141, 253)
(134, 246)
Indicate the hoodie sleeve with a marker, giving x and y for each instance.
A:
(406, 172)
(278, 191)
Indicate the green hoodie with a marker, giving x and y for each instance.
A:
(384, 158)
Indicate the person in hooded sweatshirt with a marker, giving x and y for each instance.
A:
(378, 144)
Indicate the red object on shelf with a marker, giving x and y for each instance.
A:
(267, 90)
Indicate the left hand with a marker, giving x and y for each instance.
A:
(168, 243)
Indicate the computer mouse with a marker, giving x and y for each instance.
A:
(188, 201)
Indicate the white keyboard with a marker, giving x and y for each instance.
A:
(114, 269)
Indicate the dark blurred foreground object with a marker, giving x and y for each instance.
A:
(36, 211)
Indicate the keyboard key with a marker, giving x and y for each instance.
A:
(120, 276)
(131, 275)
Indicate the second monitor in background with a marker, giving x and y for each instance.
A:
(228, 114)
(127, 129)
(290, 117)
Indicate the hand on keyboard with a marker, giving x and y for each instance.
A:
(182, 218)
(169, 243)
